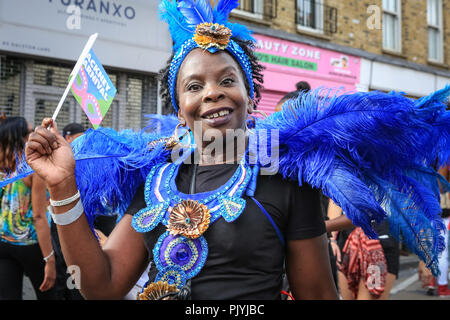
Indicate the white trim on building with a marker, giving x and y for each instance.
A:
(387, 77)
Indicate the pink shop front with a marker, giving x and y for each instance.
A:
(289, 62)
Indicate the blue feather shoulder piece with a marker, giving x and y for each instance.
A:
(372, 153)
(111, 165)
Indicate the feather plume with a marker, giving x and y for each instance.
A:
(196, 11)
(110, 166)
(161, 124)
(332, 141)
(240, 31)
(223, 9)
(408, 224)
(178, 27)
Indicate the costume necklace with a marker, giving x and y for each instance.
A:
(180, 252)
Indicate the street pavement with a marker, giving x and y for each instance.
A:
(406, 287)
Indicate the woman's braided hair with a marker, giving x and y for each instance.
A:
(257, 69)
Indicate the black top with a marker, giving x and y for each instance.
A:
(245, 259)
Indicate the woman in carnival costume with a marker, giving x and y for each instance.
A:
(224, 227)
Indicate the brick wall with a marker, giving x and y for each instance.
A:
(446, 16)
(353, 31)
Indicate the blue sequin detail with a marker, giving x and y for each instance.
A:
(167, 250)
(173, 275)
(147, 219)
(172, 254)
(231, 207)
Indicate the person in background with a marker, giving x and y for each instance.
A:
(73, 131)
(25, 245)
(301, 86)
(354, 250)
(442, 281)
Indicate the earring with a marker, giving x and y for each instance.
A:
(176, 137)
(262, 113)
(252, 121)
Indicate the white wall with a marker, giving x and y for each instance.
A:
(386, 77)
(131, 36)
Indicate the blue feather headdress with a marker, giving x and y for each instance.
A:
(195, 24)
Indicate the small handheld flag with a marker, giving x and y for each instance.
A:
(75, 70)
(93, 89)
(90, 85)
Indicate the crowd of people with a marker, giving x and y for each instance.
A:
(206, 225)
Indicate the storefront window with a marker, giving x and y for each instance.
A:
(44, 108)
(51, 75)
(11, 71)
(126, 110)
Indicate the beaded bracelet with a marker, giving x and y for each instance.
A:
(68, 217)
(49, 256)
(59, 203)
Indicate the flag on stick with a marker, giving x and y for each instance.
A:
(90, 85)
(93, 89)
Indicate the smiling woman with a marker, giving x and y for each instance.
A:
(223, 227)
(211, 91)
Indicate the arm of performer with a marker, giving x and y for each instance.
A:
(308, 264)
(309, 270)
(107, 272)
(338, 221)
(445, 173)
(39, 206)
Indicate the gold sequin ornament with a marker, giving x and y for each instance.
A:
(156, 290)
(189, 219)
(209, 35)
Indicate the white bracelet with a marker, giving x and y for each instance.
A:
(48, 257)
(63, 202)
(68, 217)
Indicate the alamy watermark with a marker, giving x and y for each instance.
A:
(374, 20)
(73, 22)
(74, 281)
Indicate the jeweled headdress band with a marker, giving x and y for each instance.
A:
(195, 24)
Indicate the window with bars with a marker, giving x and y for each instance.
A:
(313, 15)
(435, 34)
(108, 120)
(11, 74)
(259, 9)
(392, 24)
(50, 80)
(134, 102)
(44, 108)
(54, 75)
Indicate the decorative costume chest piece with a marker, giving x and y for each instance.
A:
(181, 252)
